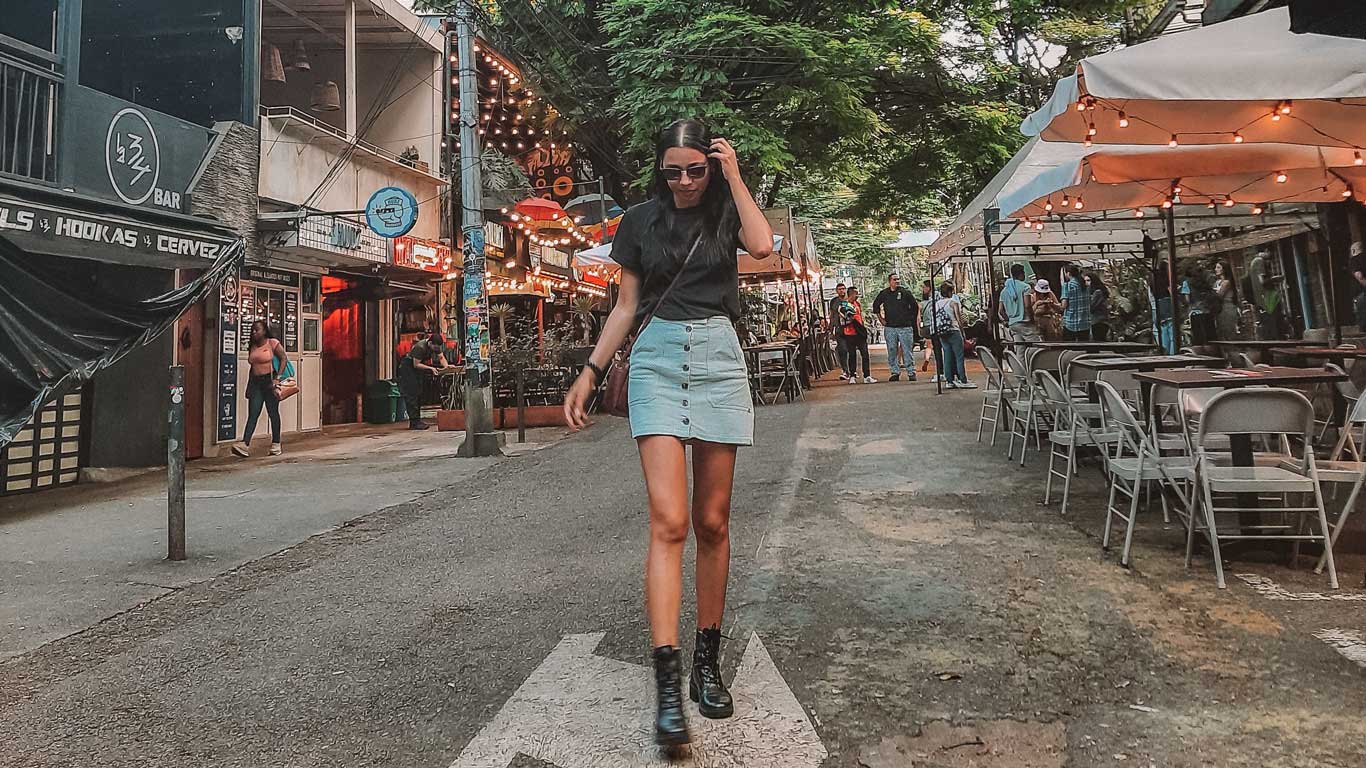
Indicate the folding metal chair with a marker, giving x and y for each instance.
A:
(1070, 432)
(1136, 462)
(1025, 406)
(1248, 413)
(1343, 471)
(992, 395)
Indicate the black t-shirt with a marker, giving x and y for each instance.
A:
(710, 283)
(1357, 264)
(900, 307)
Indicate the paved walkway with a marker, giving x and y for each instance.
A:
(72, 557)
(919, 605)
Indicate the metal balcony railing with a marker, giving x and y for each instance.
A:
(29, 99)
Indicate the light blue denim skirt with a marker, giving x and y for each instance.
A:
(688, 380)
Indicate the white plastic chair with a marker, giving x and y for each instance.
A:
(1259, 411)
(1136, 462)
(1070, 432)
(992, 395)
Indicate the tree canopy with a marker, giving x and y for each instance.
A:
(855, 112)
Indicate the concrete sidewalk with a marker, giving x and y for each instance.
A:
(73, 557)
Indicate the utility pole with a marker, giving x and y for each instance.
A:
(175, 468)
(480, 437)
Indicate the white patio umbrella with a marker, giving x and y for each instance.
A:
(1238, 178)
(1240, 81)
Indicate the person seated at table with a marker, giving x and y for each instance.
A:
(786, 332)
(1047, 311)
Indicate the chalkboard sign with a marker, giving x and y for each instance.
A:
(227, 359)
(291, 321)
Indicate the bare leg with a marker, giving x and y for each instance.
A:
(664, 461)
(713, 477)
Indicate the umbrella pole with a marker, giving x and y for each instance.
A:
(991, 284)
(1171, 279)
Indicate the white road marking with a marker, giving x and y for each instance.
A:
(1347, 642)
(580, 710)
(1273, 591)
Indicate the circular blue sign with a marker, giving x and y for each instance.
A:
(391, 212)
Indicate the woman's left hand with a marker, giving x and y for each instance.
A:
(722, 151)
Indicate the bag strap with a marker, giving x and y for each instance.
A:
(670, 287)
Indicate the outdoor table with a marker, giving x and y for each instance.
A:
(1240, 446)
(754, 355)
(1090, 346)
(1145, 363)
(1319, 353)
(1259, 348)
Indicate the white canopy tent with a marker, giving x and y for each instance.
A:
(1234, 177)
(1245, 80)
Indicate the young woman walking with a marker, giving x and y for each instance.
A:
(262, 355)
(688, 387)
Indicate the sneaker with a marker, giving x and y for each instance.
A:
(241, 449)
(966, 385)
(275, 449)
(844, 376)
(936, 378)
(853, 379)
(895, 377)
(911, 377)
(869, 380)
(419, 425)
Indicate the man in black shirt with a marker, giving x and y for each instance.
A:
(900, 315)
(841, 345)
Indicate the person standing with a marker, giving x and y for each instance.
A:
(1100, 307)
(688, 387)
(855, 331)
(841, 345)
(928, 330)
(266, 361)
(1047, 311)
(948, 319)
(1226, 319)
(1016, 307)
(900, 315)
(1076, 306)
(427, 355)
(1357, 266)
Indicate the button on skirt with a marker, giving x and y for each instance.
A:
(688, 380)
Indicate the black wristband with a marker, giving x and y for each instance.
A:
(597, 369)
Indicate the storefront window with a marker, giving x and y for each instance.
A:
(311, 340)
(311, 292)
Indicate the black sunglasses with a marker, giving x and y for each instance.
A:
(694, 172)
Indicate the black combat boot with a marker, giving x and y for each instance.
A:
(704, 685)
(671, 726)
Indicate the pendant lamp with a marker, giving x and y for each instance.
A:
(298, 56)
(272, 68)
(325, 98)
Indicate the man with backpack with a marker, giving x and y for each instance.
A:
(841, 343)
(1017, 307)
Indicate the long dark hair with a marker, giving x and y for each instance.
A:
(1232, 281)
(1098, 283)
(720, 220)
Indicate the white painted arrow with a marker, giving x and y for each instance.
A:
(580, 710)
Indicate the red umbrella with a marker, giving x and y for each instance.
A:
(541, 209)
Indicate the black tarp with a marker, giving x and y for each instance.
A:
(57, 332)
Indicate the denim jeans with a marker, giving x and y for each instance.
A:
(261, 391)
(902, 340)
(953, 365)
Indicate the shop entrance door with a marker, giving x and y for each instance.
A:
(343, 359)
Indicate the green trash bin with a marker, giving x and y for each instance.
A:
(384, 403)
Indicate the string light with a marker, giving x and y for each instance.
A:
(1285, 107)
(1237, 138)
(1167, 203)
(1281, 178)
(1348, 191)
(1138, 213)
(1047, 205)
(1091, 129)
(1077, 205)
(1229, 203)
(1173, 142)
(1123, 119)
(1357, 159)
(1257, 209)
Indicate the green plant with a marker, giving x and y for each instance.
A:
(502, 312)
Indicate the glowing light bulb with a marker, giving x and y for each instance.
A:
(1285, 107)
(1091, 130)
(1237, 138)
(1257, 210)
(1229, 203)
(1357, 159)
(1081, 106)
(1173, 142)
(1138, 213)
(1077, 204)
(1047, 206)
(1123, 120)
(1166, 203)
(1348, 191)
(1281, 178)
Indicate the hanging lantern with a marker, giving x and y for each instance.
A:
(272, 67)
(298, 56)
(326, 97)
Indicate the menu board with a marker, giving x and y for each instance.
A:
(227, 359)
(291, 321)
(246, 317)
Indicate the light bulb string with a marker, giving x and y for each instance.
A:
(1123, 107)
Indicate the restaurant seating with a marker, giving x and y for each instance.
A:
(992, 395)
(1136, 461)
(1024, 405)
(1257, 490)
(1071, 430)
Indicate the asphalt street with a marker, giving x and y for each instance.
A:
(920, 603)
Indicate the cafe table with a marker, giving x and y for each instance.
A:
(1142, 363)
(1240, 446)
(1121, 347)
(1260, 348)
(1336, 354)
(789, 384)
